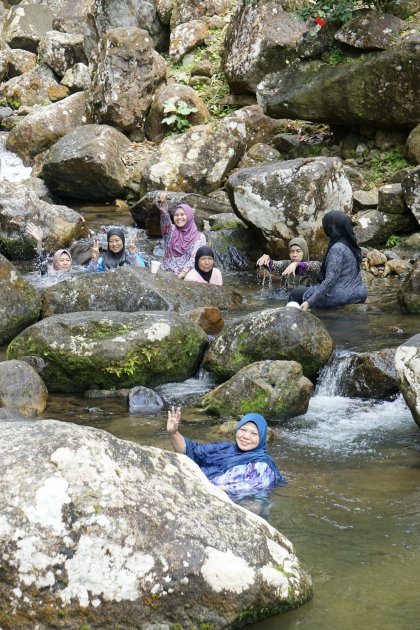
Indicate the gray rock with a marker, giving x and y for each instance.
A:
(125, 525)
(77, 78)
(62, 51)
(391, 200)
(20, 61)
(408, 248)
(25, 25)
(186, 37)
(373, 228)
(87, 164)
(38, 131)
(259, 154)
(316, 40)
(409, 293)
(407, 358)
(236, 248)
(112, 349)
(278, 334)
(288, 199)
(368, 375)
(144, 400)
(20, 304)
(386, 139)
(225, 221)
(253, 126)
(413, 145)
(411, 191)
(363, 199)
(370, 31)
(131, 290)
(21, 389)
(34, 87)
(276, 389)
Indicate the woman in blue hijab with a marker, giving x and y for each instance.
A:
(242, 467)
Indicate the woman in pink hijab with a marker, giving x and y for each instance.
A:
(181, 239)
(61, 261)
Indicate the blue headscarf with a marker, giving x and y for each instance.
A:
(215, 458)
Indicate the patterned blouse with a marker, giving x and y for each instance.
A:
(305, 276)
(246, 478)
(176, 264)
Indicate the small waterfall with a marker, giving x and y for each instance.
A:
(11, 166)
(332, 377)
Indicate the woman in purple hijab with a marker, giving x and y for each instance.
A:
(181, 238)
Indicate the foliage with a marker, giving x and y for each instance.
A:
(336, 55)
(384, 165)
(179, 111)
(393, 240)
(323, 11)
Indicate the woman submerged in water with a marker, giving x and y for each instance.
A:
(116, 255)
(61, 260)
(242, 468)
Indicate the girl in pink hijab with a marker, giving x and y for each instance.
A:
(181, 239)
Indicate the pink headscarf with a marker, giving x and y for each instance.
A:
(57, 255)
(182, 238)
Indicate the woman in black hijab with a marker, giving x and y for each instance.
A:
(116, 255)
(204, 269)
(341, 278)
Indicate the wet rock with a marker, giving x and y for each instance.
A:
(29, 201)
(38, 131)
(128, 525)
(407, 359)
(30, 88)
(21, 389)
(112, 349)
(25, 25)
(373, 30)
(128, 73)
(87, 164)
(369, 375)
(107, 393)
(409, 293)
(61, 51)
(276, 389)
(379, 90)
(130, 289)
(20, 304)
(173, 93)
(261, 38)
(144, 400)
(410, 186)
(186, 37)
(413, 145)
(20, 61)
(391, 200)
(288, 199)
(278, 334)
(195, 161)
(209, 318)
(77, 78)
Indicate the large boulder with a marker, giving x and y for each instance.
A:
(276, 389)
(379, 90)
(21, 388)
(128, 72)
(195, 161)
(62, 51)
(253, 126)
(20, 61)
(411, 191)
(409, 293)
(407, 364)
(261, 38)
(371, 31)
(288, 199)
(97, 531)
(278, 334)
(130, 290)
(20, 303)
(367, 374)
(373, 228)
(34, 87)
(87, 164)
(111, 349)
(38, 131)
(26, 24)
(29, 201)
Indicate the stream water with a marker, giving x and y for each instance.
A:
(351, 507)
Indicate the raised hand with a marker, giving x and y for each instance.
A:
(174, 418)
(263, 260)
(163, 200)
(36, 232)
(94, 252)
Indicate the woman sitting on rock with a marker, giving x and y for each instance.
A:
(61, 260)
(340, 270)
(300, 272)
(204, 269)
(116, 254)
(181, 239)
(242, 467)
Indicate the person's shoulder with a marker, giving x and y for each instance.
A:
(216, 276)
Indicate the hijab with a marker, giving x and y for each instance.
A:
(203, 251)
(56, 258)
(339, 229)
(300, 242)
(218, 457)
(110, 260)
(182, 238)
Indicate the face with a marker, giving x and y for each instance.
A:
(115, 244)
(247, 437)
(295, 253)
(180, 218)
(64, 262)
(205, 263)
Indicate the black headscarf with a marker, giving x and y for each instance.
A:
(203, 251)
(339, 228)
(111, 260)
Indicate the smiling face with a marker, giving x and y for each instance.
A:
(63, 263)
(206, 263)
(247, 437)
(295, 253)
(115, 244)
(180, 218)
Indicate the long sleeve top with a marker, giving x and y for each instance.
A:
(135, 260)
(194, 276)
(176, 264)
(342, 284)
(305, 275)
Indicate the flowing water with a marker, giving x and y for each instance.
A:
(351, 506)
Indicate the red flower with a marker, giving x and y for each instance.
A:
(320, 21)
